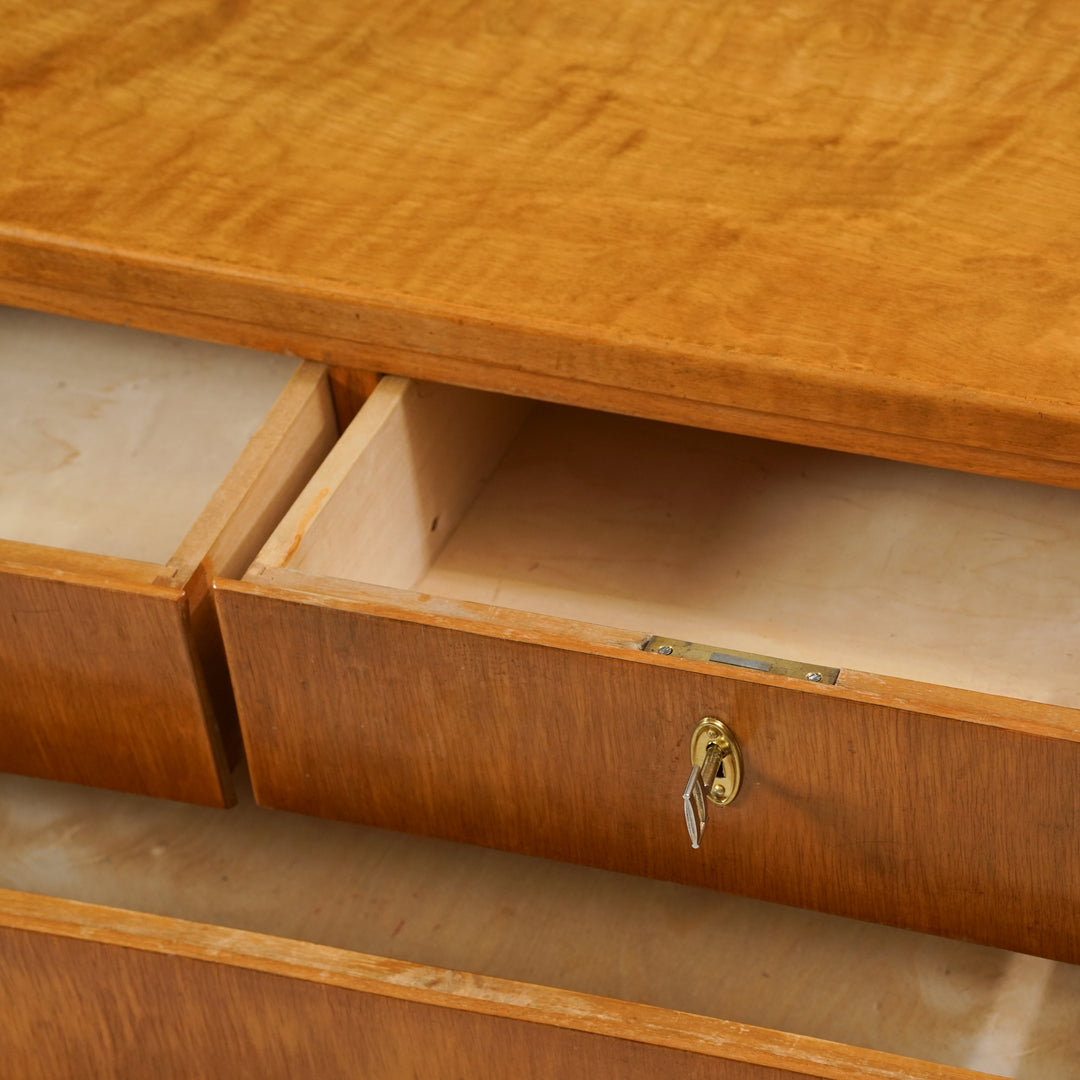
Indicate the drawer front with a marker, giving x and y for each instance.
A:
(101, 686)
(908, 818)
(129, 995)
(154, 936)
(128, 1013)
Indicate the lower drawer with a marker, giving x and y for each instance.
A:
(139, 937)
(133, 468)
(502, 625)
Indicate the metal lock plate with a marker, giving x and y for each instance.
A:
(775, 665)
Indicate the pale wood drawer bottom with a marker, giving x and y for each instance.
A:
(578, 971)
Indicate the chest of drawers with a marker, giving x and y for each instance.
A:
(846, 227)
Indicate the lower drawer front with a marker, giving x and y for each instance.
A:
(276, 945)
(148, 1004)
(372, 687)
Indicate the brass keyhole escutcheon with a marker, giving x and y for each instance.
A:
(725, 785)
(715, 776)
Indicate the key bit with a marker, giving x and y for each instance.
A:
(695, 803)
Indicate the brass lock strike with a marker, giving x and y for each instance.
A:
(715, 777)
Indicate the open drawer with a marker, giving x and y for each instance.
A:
(500, 622)
(134, 467)
(152, 938)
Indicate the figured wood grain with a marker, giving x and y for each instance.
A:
(859, 809)
(861, 216)
(205, 994)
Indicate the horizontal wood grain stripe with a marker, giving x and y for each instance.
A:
(363, 357)
(1030, 439)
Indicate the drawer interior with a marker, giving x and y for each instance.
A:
(114, 440)
(571, 927)
(907, 571)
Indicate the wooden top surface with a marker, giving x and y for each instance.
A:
(844, 223)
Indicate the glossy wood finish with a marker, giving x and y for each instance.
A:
(574, 745)
(851, 225)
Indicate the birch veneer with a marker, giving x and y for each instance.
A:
(450, 633)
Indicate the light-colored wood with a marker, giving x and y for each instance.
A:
(113, 669)
(112, 440)
(288, 447)
(398, 483)
(406, 917)
(858, 215)
(913, 573)
(406, 715)
(108, 571)
(916, 573)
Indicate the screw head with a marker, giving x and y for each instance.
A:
(665, 650)
(814, 676)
